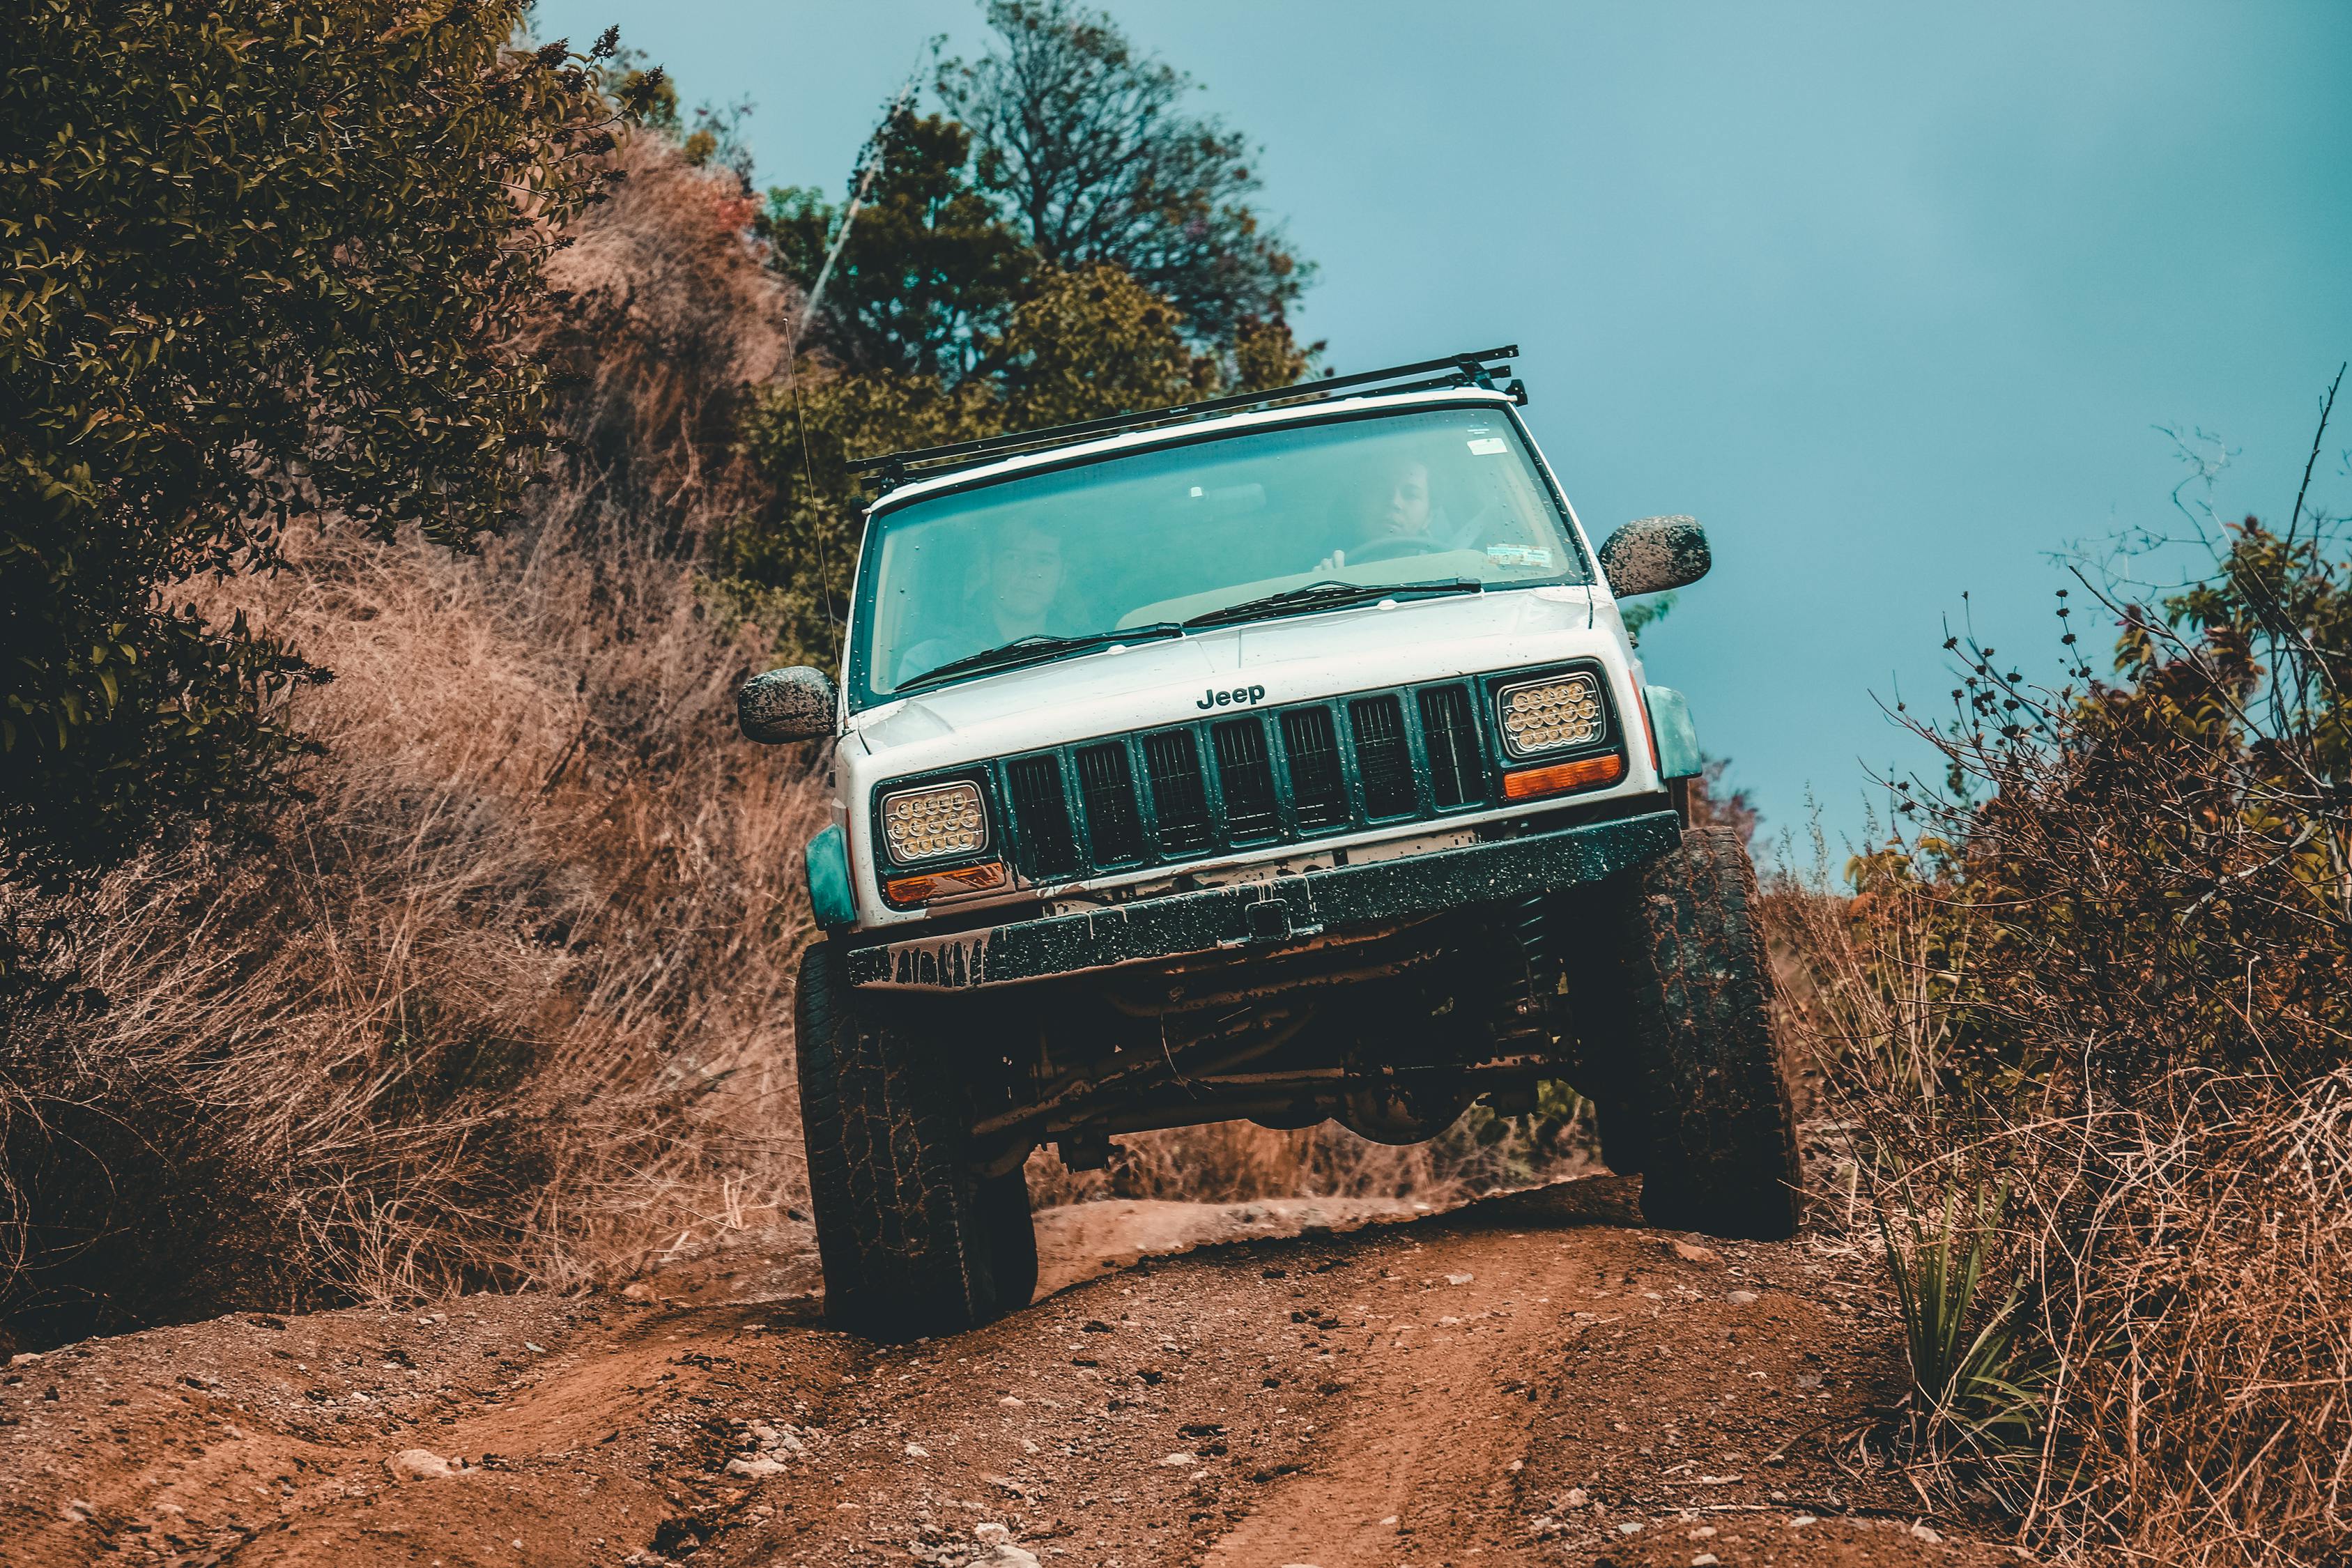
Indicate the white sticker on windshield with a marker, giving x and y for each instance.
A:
(1519, 555)
(1489, 445)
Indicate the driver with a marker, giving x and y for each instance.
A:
(1019, 597)
(1394, 516)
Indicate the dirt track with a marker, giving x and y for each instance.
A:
(1531, 1378)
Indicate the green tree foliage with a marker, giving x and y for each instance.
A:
(1062, 151)
(710, 138)
(929, 274)
(1089, 145)
(259, 260)
(1094, 342)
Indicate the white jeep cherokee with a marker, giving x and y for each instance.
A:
(1282, 757)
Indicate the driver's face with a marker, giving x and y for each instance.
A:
(1405, 510)
(1026, 572)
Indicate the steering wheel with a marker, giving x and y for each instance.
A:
(1389, 549)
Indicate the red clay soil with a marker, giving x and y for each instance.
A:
(1530, 1379)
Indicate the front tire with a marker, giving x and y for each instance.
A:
(913, 1240)
(1676, 1016)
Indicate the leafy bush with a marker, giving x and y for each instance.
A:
(262, 261)
(2107, 971)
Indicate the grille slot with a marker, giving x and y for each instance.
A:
(1041, 815)
(1247, 775)
(1172, 762)
(1107, 786)
(1451, 735)
(1382, 759)
(1317, 789)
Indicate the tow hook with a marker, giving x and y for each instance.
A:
(1269, 921)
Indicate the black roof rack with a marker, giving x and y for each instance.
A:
(1460, 370)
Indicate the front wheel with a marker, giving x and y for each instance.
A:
(1674, 1011)
(913, 1239)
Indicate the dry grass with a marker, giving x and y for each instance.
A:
(2172, 1382)
(1237, 1162)
(505, 1000)
(2198, 1312)
(503, 1004)
(2090, 1023)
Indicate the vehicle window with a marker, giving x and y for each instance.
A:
(1168, 534)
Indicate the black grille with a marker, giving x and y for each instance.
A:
(1197, 789)
(1317, 789)
(1382, 758)
(1173, 762)
(1041, 815)
(1114, 831)
(1451, 735)
(1247, 777)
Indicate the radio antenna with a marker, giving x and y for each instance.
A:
(869, 166)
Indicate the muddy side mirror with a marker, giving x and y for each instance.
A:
(795, 703)
(1650, 554)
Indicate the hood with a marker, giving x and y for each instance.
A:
(1258, 664)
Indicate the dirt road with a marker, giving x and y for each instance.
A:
(1531, 1378)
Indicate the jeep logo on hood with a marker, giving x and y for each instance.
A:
(1239, 697)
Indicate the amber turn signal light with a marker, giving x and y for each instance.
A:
(934, 884)
(1561, 777)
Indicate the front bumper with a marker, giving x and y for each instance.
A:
(1265, 914)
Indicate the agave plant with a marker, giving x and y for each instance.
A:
(1970, 1378)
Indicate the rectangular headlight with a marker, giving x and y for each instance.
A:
(1553, 714)
(935, 823)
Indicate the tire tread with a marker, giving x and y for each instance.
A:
(1703, 1093)
(908, 1236)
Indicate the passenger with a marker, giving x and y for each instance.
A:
(1020, 597)
(1395, 515)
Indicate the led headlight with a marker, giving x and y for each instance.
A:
(1547, 715)
(931, 823)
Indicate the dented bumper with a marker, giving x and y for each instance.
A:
(1267, 914)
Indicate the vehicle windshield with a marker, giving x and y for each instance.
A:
(1145, 543)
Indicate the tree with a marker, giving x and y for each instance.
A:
(1090, 147)
(1093, 342)
(259, 260)
(930, 273)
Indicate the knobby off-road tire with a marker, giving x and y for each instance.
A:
(912, 1239)
(1676, 1004)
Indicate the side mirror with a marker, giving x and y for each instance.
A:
(794, 703)
(1650, 554)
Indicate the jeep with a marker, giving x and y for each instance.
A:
(1281, 757)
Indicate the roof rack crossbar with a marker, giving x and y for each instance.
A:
(1470, 369)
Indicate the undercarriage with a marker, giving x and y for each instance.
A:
(1392, 1031)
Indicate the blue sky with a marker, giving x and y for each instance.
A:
(1892, 298)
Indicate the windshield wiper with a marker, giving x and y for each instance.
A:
(1331, 595)
(1038, 648)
